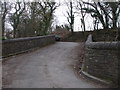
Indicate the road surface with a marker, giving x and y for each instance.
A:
(49, 67)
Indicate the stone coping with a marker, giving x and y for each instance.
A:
(102, 45)
(26, 38)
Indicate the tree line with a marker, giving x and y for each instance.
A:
(36, 18)
(105, 13)
(27, 18)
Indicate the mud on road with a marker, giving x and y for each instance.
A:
(49, 67)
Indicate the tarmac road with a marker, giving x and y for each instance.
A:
(48, 67)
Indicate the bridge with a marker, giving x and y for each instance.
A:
(49, 67)
(40, 62)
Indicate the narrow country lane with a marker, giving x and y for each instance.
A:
(48, 67)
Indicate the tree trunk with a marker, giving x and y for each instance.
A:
(3, 28)
(114, 20)
(71, 17)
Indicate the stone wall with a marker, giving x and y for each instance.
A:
(101, 59)
(19, 45)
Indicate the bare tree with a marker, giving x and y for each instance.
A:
(70, 14)
(115, 10)
(47, 9)
(103, 11)
(80, 7)
(4, 12)
(15, 17)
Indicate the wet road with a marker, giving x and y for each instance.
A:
(48, 67)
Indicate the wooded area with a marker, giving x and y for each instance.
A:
(36, 18)
(27, 18)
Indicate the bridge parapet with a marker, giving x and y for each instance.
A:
(20, 45)
(101, 60)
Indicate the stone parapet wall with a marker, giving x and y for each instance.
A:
(102, 59)
(19, 45)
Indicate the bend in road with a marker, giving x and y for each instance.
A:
(48, 67)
